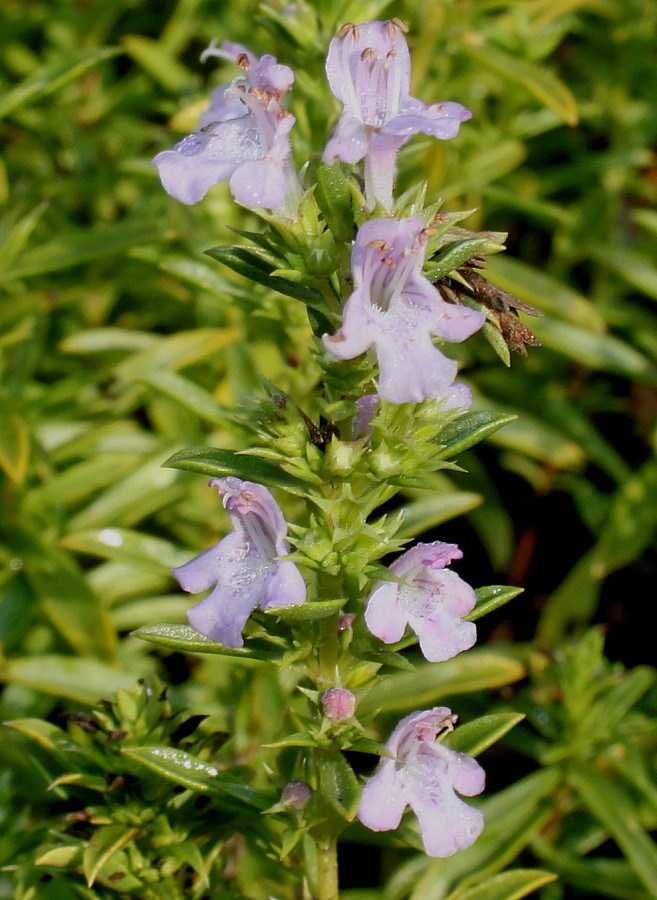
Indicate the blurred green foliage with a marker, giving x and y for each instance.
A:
(122, 343)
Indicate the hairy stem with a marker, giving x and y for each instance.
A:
(327, 866)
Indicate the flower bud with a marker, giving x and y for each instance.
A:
(296, 795)
(346, 622)
(338, 704)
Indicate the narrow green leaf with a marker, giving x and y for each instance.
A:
(107, 340)
(631, 265)
(74, 678)
(105, 842)
(51, 77)
(14, 446)
(595, 876)
(254, 267)
(455, 255)
(131, 547)
(47, 735)
(66, 597)
(176, 351)
(492, 597)
(629, 529)
(168, 71)
(511, 885)
(538, 80)
(307, 612)
(334, 197)
(546, 293)
(471, 428)
(217, 463)
(78, 246)
(185, 639)
(476, 670)
(59, 856)
(475, 737)
(616, 810)
(189, 395)
(195, 774)
(426, 513)
(602, 352)
(337, 783)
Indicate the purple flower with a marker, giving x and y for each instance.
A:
(431, 600)
(243, 136)
(425, 775)
(244, 567)
(369, 70)
(396, 309)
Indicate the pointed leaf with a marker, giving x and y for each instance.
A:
(254, 267)
(475, 737)
(105, 842)
(470, 429)
(337, 783)
(616, 810)
(185, 639)
(538, 80)
(309, 611)
(51, 77)
(492, 597)
(476, 670)
(216, 463)
(195, 774)
(511, 885)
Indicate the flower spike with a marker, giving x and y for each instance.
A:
(425, 775)
(396, 309)
(431, 600)
(244, 567)
(369, 71)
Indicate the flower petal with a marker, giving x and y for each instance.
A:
(284, 587)
(348, 143)
(411, 369)
(382, 802)
(442, 635)
(355, 336)
(447, 823)
(259, 184)
(384, 616)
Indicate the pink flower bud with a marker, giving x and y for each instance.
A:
(345, 622)
(338, 704)
(296, 795)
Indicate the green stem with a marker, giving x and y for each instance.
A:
(327, 866)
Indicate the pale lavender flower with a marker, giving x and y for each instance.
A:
(244, 567)
(425, 775)
(429, 598)
(243, 136)
(369, 70)
(396, 309)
